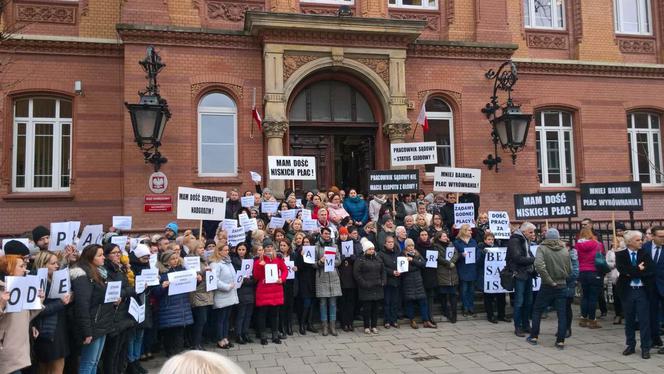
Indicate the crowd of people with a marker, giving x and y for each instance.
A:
(81, 332)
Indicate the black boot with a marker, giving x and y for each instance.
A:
(247, 338)
(310, 326)
(275, 338)
(139, 369)
(289, 326)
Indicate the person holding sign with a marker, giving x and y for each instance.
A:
(520, 261)
(94, 318)
(15, 327)
(140, 260)
(201, 299)
(328, 284)
(306, 281)
(413, 287)
(174, 310)
(245, 295)
(392, 290)
(467, 270)
(490, 298)
(429, 275)
(286, 310)
(348, 286)
(371, 277)
(447, 276)
(269, 296)
(225, 296)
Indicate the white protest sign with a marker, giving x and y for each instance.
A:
(192, 263)
(199, 204)
(247, 201)
(456, 179)
(228, 224)
(247, 267)
(271, 273)
(113, 291)
(154, 257)
(499, 224)
(289, 214)
(122, 222)
(152, 276)
(309, 225)
(291, 272)
(181, 282)
(236, 236)
(60, 284)
(120, 241)
(133, 243)
(136, 311)
(62, 235)
(140, 282)
(347, 248)
(402, 264)
(537, 282)
(309, 254)
(276, 223)
(494, 262)
(423, 153)
(298, 203)
(210, 281)
(238, 279)
(291, 167)
(92, 234)
(330, 255)
(464, 213)
(17, 288)
(306, 214)
(32, 300)
(432, 259)
(269, 206)
(42, 275)
(449, 253)
(243, 218)
(250, 225)
(25, 241)
(470, 255)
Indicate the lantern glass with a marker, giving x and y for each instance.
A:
(146, 120)
(501, 130)
(519, 129)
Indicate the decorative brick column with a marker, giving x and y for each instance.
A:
(373, 8)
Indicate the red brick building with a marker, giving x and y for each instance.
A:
(341, 88)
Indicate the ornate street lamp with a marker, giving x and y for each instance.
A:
(149, 116)
(510, 128)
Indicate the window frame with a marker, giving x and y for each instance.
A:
(560, 130)
(632, 132)
(554, 17)
(643, 5)
(399, 5)
(56, 152)
(449, 116)
(216, 111)
(335, 2)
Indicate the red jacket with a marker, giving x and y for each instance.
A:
(587, 249)
(271, 294)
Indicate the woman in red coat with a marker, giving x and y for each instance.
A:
(269, 296)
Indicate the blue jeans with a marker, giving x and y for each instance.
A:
(200, 314)
(523, 301)
(591, 286)
(636, 304)
(390, 304)
(243, 318)
(424, 309)
(90, 355)
(223, 322)
(468, 295)
(135, 344)
(324, 302)
(545, 297)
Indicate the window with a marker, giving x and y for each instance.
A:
(347, 2)
(330, 101)
(555, 158)
(645, 156)
(426, 4)
(42, 145)
(217, 136)
(441, 131)
(632, 16)
(545, 14)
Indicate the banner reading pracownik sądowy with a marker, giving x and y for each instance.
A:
(405, 154)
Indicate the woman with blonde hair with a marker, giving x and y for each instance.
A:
(464, 243)
(199, 362)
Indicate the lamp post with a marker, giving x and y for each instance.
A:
(509, 126)
(149, 116)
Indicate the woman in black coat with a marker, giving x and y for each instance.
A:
(413, 286)
(369, 273)
(429, 275)
(348, 285)
(245, 294)
(393, 284)
(306, 279)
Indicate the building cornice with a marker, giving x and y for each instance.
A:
(462, 50)
(589, 68)
(62, 45)
(186, 36)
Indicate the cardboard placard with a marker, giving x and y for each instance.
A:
(152, 276)
(154, 257)
(210, 281)
(136, 311)
(192, 263)
(122, 222)
(276, 223)
(92, 234)
(499, 224)
(236, 236)
(113, 292)
(449, 253)
(402, 264)
(181, 282)
(494, 262)
(291, 272)
(393, 181)
(247, 267)
(23, 293)
(228, 224)
(457, 179)
(140, 282)
(309, 254)
(269, 207)
(121, 242)
(291, 167)
(347, 248)
(612, 196)
(330, 255)
(464, 213)
(239, 279)
(470, 255)
(200, 204)
(247, 201)
(289, 214)
(545, 205)
(62, 235)
(405, 154)
(306, 214)
(60, 284)
(432, 259)
(309, 225)
(271, 273)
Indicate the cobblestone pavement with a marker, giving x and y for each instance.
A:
(469, 346)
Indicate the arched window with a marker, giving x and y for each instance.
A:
(555, 155)
(645, 156)
(441, 131)
(330, 101)
(217, 136)
(42, 135)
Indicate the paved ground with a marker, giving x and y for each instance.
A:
(470, 346)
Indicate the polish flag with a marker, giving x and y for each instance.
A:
(257, 117)
(422, 117)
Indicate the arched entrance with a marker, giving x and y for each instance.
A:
(334, 117)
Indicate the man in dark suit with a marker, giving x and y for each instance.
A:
(637, 271)
(655, 249)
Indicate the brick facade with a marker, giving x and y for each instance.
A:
(586, 69)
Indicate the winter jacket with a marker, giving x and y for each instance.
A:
(587, 250)
(328, 284)
(369, 274)
(122, 320)
(519, 258)
(389, 259)
(225, 295)
(611, 261)
(404, 209)
(374, 208)
(137, 268)
(306, 276)
(15, 338)
(429, 275)
(553, 263)
(246, 293)
(411, 282)
(467, 272)
(336, 212)
(346, 268)
(93, 317)
(446, 272)
(571, 280)
(175, 310)
(269, 294)
(357, 208)
(47, 321)
(201, 297)
(480, 257)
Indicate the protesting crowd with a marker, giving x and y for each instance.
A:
(321, 260)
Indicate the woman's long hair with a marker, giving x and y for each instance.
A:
(86, 262)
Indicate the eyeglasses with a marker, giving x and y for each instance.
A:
(115, 252)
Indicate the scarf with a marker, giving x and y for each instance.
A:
(102, 272)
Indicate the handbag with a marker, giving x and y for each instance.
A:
(507, 279)
(601, 266)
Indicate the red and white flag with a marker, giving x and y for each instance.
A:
(422, 117)
(257, 117)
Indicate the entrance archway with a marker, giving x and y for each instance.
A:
(335, 117)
